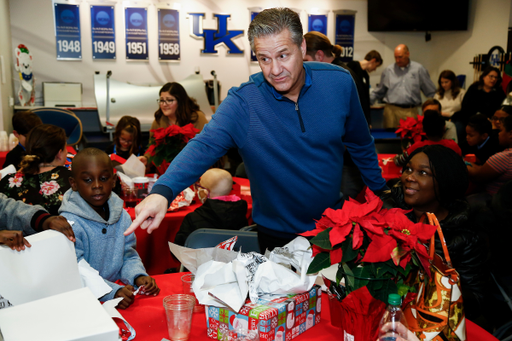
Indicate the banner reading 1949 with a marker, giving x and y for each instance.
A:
(67, 32)
(103, 32)
(136, 26)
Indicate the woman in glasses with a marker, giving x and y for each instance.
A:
(176, 107)
(499, 116)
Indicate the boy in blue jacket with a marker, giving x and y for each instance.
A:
(99, 222)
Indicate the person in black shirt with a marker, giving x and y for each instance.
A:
(22, 123)
(360, 69)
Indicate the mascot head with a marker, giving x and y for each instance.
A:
(23, 60)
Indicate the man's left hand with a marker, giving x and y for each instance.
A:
(59, 223)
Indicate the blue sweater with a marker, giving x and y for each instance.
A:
(293, 152)
(111, 253)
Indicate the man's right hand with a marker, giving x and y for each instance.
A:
(149, 213)
(14, 239)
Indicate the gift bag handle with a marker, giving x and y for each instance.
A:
(432, 219)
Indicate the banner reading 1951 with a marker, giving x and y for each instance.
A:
(103, 32)
(136, 26)
(168, 34)
(67, 32)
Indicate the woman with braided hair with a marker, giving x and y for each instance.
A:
(42, 178)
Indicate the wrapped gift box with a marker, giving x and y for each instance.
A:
(388, 166)
(280, 319)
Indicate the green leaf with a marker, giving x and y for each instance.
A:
(348, 252)
(403, 289)
(361, 276)
(388, 287)
(320, 262)
(349, 278)
(322, 240)
(389, 267)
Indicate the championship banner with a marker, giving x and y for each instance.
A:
(67, 32)
(168, 34)
(318, 22)
(254, 11)
(136, 28)
(344, 35)
(103, 32)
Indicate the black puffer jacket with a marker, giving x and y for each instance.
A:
(229, 215)
(467, 242)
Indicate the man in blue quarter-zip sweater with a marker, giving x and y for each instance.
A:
(287, 122)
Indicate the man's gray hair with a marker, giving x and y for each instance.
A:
(273, 21)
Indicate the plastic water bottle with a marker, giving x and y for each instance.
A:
(389, 327)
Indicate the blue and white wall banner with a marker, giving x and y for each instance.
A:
(318, 22)
(136, 27)
(254, 11)
(344, 33)
(168, 34)
(103, 32)
(67, 32)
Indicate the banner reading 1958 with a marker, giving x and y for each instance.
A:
(168, 34)
(67, 32)
(136, 26)
(103, 32)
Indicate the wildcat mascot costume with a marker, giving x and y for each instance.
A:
(27, 92)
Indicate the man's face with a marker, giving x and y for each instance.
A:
(280, 61)
(401, 57)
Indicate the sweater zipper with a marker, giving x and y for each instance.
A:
(300, 117)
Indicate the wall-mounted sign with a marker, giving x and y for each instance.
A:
(136, 27)
(67, 32)
(345, 23)
(318, 22)
(254, 11)
(212, 38)
(103, 32)
(168, 34)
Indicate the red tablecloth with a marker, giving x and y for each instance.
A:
(153, 248)
(147, 317)
(3, 155)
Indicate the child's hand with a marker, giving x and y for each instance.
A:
(14, 239)
(150, 287)
(60, 224)
(127, 294)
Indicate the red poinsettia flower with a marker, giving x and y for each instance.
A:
(402, 237)
(349, 219)
(411, 128)
(172, 130)
(151, 150)
(158, 134)
(188, 131)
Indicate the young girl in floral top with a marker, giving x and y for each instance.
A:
(42, 178)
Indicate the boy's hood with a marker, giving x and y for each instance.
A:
(74, 203)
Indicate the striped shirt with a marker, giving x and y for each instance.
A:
(501, 163)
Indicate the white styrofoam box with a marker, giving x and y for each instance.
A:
(74, 315)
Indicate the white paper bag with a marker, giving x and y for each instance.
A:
(47, 268)
(74, 315)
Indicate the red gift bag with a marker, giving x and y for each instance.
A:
(358, 315)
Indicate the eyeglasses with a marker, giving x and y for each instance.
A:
(166, 101)
(200, 189)
(499, 119)
(492, 77)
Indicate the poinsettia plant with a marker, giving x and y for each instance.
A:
(166, 143)
(411, 128)
(373, 247)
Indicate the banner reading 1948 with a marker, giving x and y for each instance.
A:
(168, 34)
(136, 26)
(67, 32)
(103, 32)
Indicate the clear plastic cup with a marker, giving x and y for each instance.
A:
(178, 309)
(187, 281)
